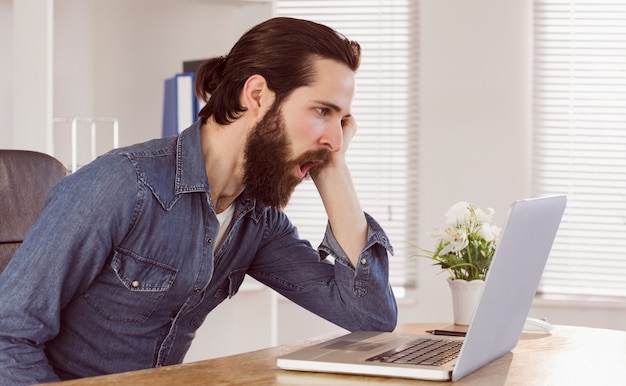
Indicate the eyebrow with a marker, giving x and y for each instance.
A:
(331, 106)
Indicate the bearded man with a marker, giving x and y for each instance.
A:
(134, 250)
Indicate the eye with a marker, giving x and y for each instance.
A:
(322, 111)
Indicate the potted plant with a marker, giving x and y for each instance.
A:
(464, 249)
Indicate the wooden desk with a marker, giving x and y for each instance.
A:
(568, 356)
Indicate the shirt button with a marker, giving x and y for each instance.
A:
(209, 241)
(363, 261)
(197, 290)
(135, 283)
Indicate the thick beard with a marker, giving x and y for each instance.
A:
(268, 169)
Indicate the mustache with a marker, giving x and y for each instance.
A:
(320, 158)
(313, 156)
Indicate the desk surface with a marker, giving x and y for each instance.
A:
(567, 356)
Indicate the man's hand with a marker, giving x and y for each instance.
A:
(334, 183)
(348, 125)
(338, 158)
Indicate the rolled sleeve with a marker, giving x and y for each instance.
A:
(376, 236)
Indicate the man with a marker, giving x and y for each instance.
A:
(134, 249)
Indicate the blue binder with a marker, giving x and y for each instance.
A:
(180, 105)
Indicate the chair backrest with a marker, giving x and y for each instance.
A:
(25, 179)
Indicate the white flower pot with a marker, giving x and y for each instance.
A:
(465, 297)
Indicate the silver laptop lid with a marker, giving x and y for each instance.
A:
(511, 282)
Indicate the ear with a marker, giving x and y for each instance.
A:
(256, 96)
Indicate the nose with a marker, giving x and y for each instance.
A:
(332, 138)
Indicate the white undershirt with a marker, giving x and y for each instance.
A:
(224, 219)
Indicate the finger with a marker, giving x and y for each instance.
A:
(348, 124)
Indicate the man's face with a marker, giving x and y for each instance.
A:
(269, 167)
(299, 135)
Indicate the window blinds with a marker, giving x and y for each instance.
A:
(382, 154)
(580, 141)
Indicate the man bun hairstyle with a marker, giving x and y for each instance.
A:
(282, 50)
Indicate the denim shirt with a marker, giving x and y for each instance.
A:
(121, 268)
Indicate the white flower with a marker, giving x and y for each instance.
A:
(458, 213)
(455, 240)
(482, 217)
(489, 232)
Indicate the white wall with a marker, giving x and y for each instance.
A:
(6, 70)
(74, 91)
(111, 57)
(474, 127)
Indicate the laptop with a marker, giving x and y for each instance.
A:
(510, 286)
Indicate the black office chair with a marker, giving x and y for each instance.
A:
(25, 179)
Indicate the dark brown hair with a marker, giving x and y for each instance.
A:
(282, 50)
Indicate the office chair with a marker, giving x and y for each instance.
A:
(25, 179)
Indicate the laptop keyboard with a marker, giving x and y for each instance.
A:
(424, 351)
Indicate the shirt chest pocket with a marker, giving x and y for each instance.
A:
(131, 287)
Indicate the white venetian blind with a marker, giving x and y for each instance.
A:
(382, 154)
(580, 141)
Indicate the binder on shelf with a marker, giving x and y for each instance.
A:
(180, 105)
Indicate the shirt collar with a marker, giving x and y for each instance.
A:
(190, 169)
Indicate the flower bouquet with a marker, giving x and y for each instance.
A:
(465, 249)
(467, 243)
